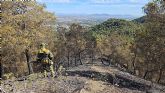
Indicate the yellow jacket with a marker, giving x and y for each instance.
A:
(44, 55)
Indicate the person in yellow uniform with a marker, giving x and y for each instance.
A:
(44, 56)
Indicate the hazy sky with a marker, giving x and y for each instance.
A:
(115, 7)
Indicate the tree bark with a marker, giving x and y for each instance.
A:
(75, 60)
(133, 63)
(30, 69)
(146, 72)
(160, 75)
(68, 57)
(80, 58)
(2, 70)
(92, 56)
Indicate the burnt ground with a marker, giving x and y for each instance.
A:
(82, 79)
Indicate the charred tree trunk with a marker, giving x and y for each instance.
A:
(145, 74)
(75, 60)
(68, 57)
(80, 59)
(30, 69)
(79, 55)
(133, 63)
(15, 68)
(160, 75)
(2, 70)
(92, 56)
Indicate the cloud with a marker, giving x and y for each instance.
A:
(139, 1)
(105, 1)
(119, 1)
(97, 1)
(134, 1)
(54, 1)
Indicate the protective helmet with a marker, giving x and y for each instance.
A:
(42, 45)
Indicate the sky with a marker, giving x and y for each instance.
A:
(113, 7)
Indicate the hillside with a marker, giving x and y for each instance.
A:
(120, 26)
(88, 20)
(87, 78)
(140, 20)
(122, 42)
(97, 53)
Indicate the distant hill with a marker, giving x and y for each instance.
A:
(127, 17)
(120, 26)
(88, 20)
(140, 20)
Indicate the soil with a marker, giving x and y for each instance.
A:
(81, 79)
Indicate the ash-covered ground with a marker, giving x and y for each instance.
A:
(81, 79)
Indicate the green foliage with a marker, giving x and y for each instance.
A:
(8, 76)
(122, 27)
(150, 43)
(139, 43)
(140, 20)
(24, 25)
